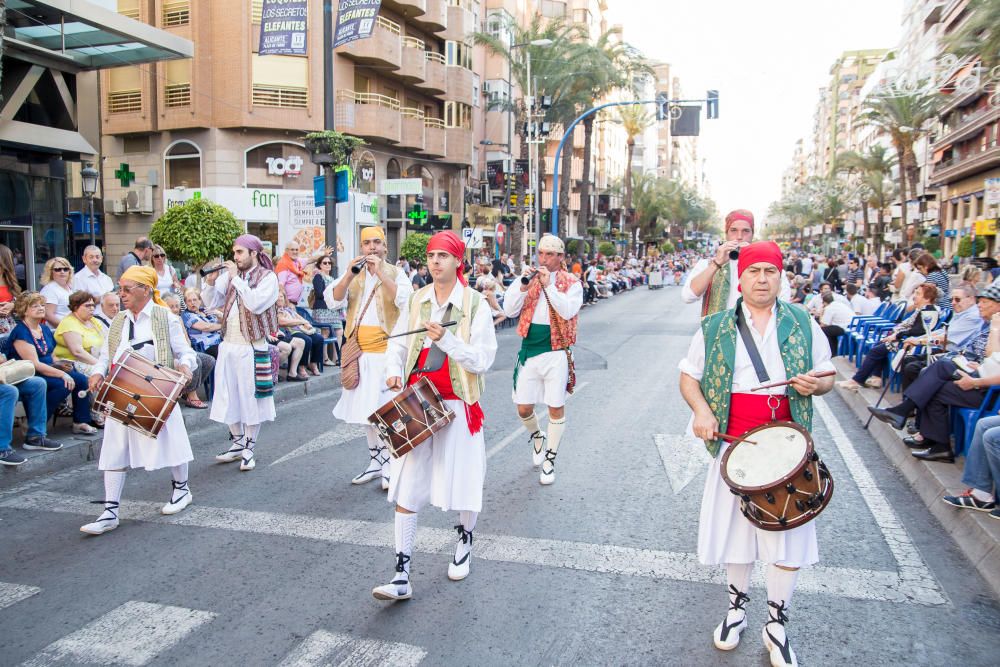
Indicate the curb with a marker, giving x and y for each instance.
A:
(976, 534)
(78, 449)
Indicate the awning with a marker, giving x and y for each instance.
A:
(42, 138)
(82, 35)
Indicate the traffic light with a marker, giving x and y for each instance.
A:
(712, 105)
(662, 106)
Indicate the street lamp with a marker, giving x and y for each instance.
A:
(90, 178)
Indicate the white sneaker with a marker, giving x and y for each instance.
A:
(548, 475)
(537, 440)
(178, 503)
(106, 522)
(234, 453)
(368, 475)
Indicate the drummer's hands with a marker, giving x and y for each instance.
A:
(705, 425)
(434, 331)
(395, 383)
(808, 384)
(185, 371)
(94, 382)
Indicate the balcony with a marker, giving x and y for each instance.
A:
(414, 65)
(459, 146)
(963, 166)
(409, 8)
(434, 137)
(435, 18)
(435, 74)
(459, 85)
(969, 125)
(412, 135)
(383, 49)
(369, 116)
(460, 22)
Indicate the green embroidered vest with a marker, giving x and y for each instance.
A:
(161, 335)
(795, 340)
(467, 386)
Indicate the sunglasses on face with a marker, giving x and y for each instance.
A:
(161, 256)
(60, 269)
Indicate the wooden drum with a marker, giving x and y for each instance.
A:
(417, 413)
(139, 393)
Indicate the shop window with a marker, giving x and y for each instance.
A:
(182, 165)
(443, 203)
(124, 89)
(393, 202)
(177, 91)
(279, 166)
(280, 81)
(364, 173)
(426, 198)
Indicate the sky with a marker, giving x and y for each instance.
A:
(768, 60)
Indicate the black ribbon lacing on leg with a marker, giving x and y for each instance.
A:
(781, 618)
(179, 486)
(109, 506)
(539, 438)
(550, 458)
(737, 604)
(466, 537)
(401, 561)
(234, 447)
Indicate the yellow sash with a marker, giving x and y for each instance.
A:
(372, 339)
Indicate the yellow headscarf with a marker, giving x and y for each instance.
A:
(373, 232)
(144, 275)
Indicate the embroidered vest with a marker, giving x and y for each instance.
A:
(252, 326)
(795, 341)
(717, 295)
(384, 305)
(161, 335)
(563, 332)
(467, 386)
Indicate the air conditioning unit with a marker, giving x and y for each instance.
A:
(118, 206)
(140, 199)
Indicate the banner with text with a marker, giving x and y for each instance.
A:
(283, 28)
(355, 20)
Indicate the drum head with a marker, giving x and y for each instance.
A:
(780, 450)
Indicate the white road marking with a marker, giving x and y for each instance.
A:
(343, 433)
(14, 593)
(684, 458)
(919, 580)
(854, 583)
(520, 430)
(132, 634)
(323, 648)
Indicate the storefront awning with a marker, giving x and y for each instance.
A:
(83, 35)
(39, 137)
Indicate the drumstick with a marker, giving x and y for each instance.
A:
(416, 331)
(732, 438)
(821, 374)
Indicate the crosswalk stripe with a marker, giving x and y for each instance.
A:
(854, 583)
(132, 634)
(343, 433)
(14, 593)
(323, 648)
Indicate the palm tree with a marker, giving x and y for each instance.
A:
(979, 36)
(635, 121)
(872, 168)
(900, 117)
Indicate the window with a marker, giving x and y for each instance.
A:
(498, 24)
(444, 193)
(426, 198)
(364, 172)
(278, 165)
(475, 90)
(553, 9)
(457, 114)
(280, 81)
(458, 54)
(182, 165)
(362, 84)
(582, 16)
(177, 90)
(129, 8)
(497, 93)
(256, 10)
(176, 12)
(393, 208)
(125, 90)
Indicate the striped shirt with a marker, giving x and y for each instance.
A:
(940, 280)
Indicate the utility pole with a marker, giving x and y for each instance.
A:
(329, 123)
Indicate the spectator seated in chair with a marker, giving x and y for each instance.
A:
(293, 326)
(982, 470)
(965, 325)
(31, 392)
(206, 362)
(203, 327)
(834, 320)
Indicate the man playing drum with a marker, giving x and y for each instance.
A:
(147, 326)
(247, 292)
(716, 378)
(449, 469)
(373, 297)
(542, 368)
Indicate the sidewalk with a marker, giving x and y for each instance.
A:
(80, 449)
(975, 533)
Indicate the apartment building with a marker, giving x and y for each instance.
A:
(227, 124)
(966, 150)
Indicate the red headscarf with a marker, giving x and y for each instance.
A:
(739, 214)
(452, 245)
(762, 251)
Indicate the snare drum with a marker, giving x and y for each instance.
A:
(781, 481)
(417, 413)
(140, 393)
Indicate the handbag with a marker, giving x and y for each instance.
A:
(350, 352)
(16, 370)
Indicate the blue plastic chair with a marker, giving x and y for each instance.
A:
(963, 420)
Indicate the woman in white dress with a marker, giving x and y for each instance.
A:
(166, 275)
(56, 278)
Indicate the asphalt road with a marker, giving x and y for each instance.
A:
(276, 566)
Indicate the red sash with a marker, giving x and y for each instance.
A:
(747, 411)
(441, 379)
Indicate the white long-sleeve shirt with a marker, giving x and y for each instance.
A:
(404, 288)
(566, 304)
(98, 284)
(143, 322)
(476, 356)
(256, 299)
(688, 295)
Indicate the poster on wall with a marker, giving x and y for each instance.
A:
(992, 192)
(355, 20)
(301, 222)
(283, 28)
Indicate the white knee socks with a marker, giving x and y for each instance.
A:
(468, 521)
(738, 577)
(250, 432)
(236, 430)
(405, 535)
(780, 586)
(555, 433)
(377, 452)
(114, 482)
(530, 423)
(180, 476)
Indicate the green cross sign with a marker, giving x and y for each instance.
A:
(124, 175)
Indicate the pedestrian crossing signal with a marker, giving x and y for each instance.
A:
(712, 105)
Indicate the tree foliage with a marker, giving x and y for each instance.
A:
(965, 246)
(196, 231)
(979, 35)
(414, 247)
(606, 248)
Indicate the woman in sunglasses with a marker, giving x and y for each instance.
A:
(56, 278)
(166, 275)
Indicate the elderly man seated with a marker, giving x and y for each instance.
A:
(982, 470)
(32, 392)
(944, 385)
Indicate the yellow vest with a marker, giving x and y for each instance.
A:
(383, 304)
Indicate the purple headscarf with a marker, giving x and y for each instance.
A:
(251, 243)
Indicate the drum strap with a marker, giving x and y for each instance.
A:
(751, 346)
(131, 338)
